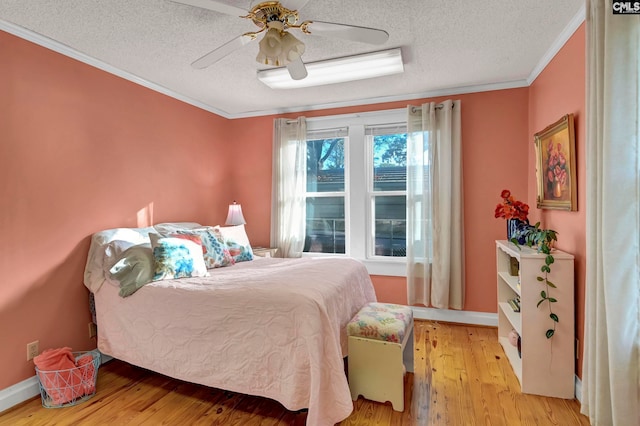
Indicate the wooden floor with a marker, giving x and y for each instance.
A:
(462, 377)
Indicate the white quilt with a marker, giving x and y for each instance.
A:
(270, 327)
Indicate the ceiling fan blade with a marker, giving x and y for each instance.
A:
(215, 6)
(296, 69)
(222, 51)
(348, 32)
(294, 4)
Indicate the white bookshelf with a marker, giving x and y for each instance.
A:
(546, 366)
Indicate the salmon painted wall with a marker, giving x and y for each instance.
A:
(81, 151)
(560, 90)
(494, 131)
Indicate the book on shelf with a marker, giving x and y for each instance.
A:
(515, 304)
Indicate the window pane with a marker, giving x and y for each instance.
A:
(325, 165)
(390, 162)
(325, 225)
(390, 226)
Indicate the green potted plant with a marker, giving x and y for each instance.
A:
(543, 240)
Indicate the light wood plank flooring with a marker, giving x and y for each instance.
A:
(462, 377)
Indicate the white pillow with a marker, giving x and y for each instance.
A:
(107, 245)
(113, 250)
(236, 233)
(171, 227)
(104, 249)
(133, 269)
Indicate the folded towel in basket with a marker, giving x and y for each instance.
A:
(55, 359)
(59, 375)
(87, 370)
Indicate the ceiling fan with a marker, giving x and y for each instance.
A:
(278, 46)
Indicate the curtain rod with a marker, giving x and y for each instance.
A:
(413, 109)
(439, 106)
(330, 129)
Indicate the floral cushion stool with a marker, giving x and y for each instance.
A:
(380, 352)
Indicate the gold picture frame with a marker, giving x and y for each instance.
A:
(556, 165)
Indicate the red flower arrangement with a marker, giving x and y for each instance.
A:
(510, 208)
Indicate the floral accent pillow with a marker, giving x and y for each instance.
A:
(215, 252)
(176, 258)
(235, 238)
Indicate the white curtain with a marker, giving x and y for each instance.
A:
(435, 246)
(611, 376)
(288, 204)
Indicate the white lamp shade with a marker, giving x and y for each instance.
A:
(235, 217)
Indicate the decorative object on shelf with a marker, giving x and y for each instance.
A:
(543, 240)
(515, 212)
(519, 347)
(235, 217)
(556, 165)
(513, 337)
(514, 267)
(513, 225)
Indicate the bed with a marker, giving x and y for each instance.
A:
(269, 327)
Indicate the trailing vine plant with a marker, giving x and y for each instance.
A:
(543, 240)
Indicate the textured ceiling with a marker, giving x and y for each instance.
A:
(448, 46)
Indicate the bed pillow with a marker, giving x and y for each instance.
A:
(104, 249)
(114, 249)
(169, 227)
(236, 240)
(216, 254)
(133, 269)
(176, 258)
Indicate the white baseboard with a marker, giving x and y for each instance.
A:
(451, 315)
(20, 392)
(27, 389)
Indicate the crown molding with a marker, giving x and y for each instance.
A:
(384, 99)
(63, 49)
(559, 42)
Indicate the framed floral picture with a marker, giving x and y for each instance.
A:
(556, 165)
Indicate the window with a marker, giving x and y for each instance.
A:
(387, 158)
(356, 188)
(325, 226)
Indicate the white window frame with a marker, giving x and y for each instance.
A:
(359, 236)
(327, 194)
(372, 194)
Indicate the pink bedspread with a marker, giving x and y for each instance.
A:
(271, 327)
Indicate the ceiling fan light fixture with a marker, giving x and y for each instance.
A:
(279, 47)
(292, 48)
(270, 48)
(330, 71)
